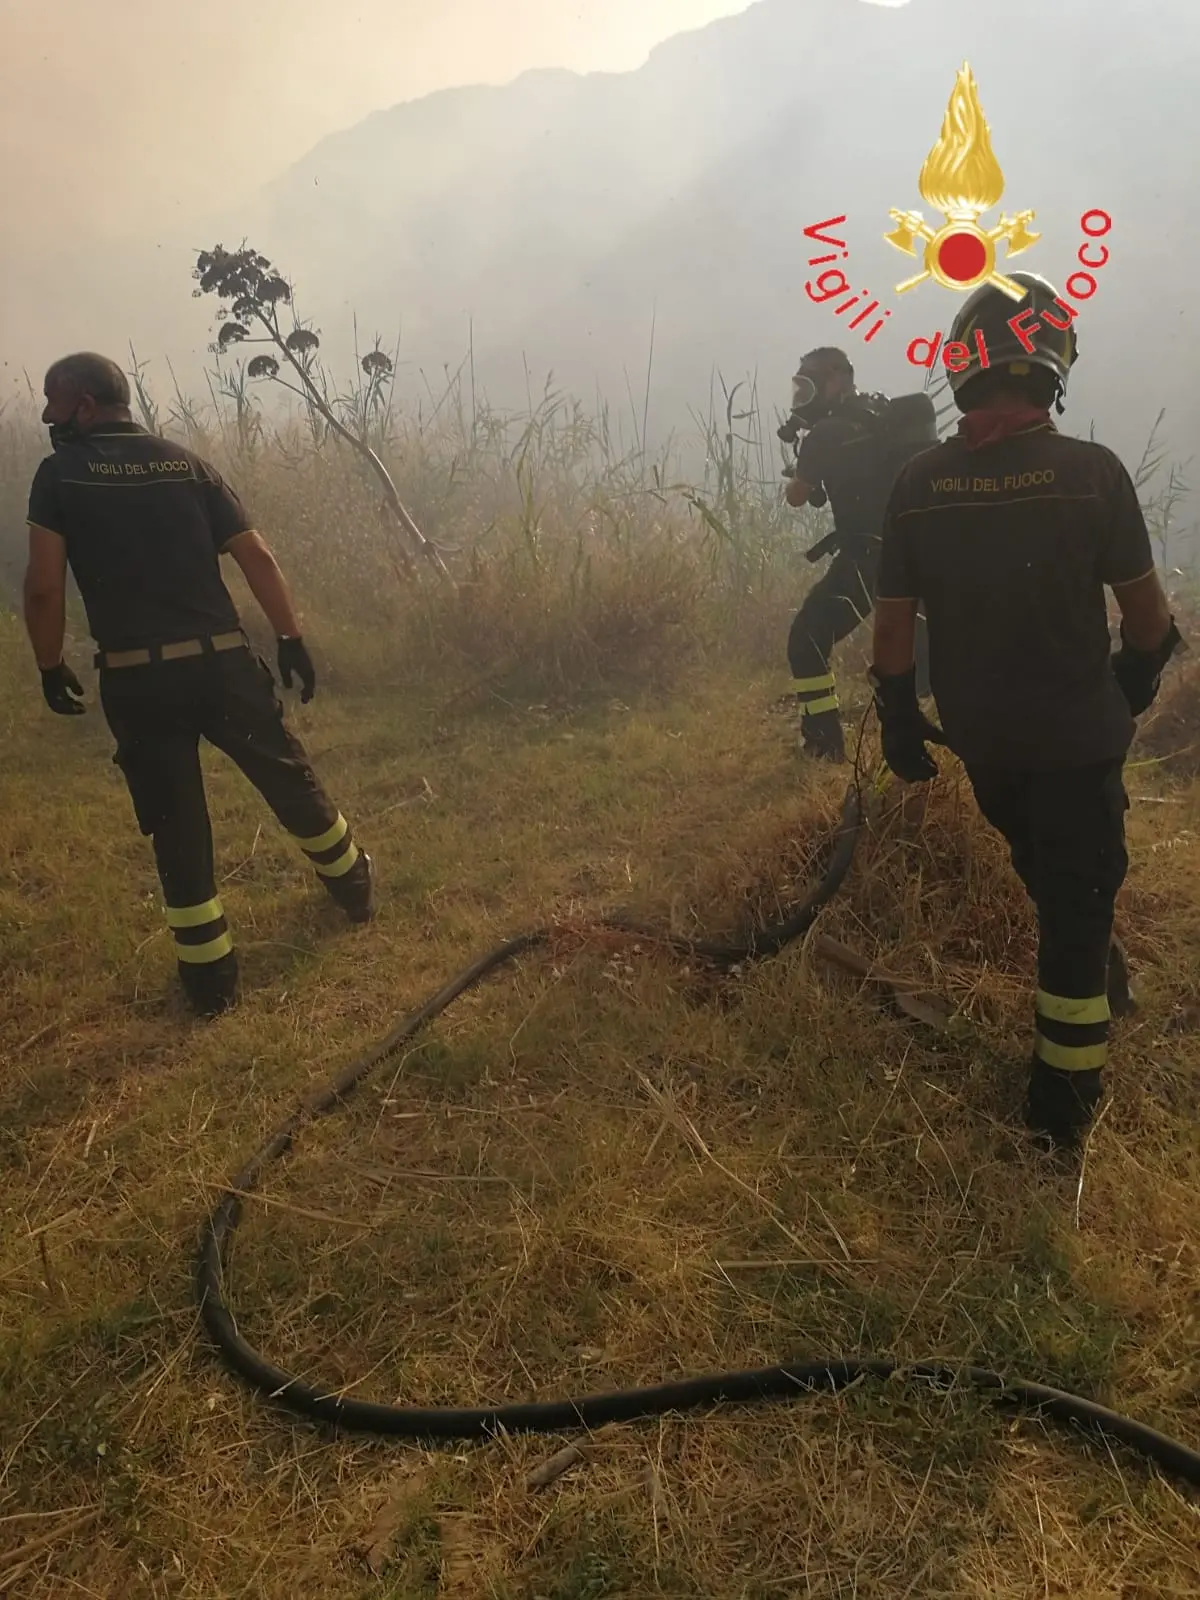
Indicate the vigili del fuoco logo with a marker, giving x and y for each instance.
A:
(962, 179)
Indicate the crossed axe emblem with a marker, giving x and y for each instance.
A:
(1014, 230)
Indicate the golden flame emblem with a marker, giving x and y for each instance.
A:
(961, 178)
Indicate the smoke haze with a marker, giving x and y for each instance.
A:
(524, 177)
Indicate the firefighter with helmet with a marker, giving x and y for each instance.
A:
(1008, 534)
(142, 524)
(853, 446)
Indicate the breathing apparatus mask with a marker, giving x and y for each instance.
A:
(807, 407)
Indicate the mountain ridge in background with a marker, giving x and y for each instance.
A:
(560, 217)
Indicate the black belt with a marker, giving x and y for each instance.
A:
(180, 650)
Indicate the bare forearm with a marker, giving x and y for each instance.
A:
(46, 624)
(269, 587)
(894, 645)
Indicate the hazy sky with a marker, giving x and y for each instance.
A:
(125, 110)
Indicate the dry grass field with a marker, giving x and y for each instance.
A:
(606, 1165)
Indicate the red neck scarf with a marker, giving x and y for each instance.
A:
(989, 425)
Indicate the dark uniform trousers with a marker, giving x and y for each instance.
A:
(1066, 833)
(835, 605)
(158, 714)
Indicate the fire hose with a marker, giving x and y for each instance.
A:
(784, 1382)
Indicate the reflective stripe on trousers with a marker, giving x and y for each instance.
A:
(201, 932)
(1072, 1034)
(333, 852)
(816, 694)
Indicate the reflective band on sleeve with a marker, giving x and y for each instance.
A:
(200, 954)
(335, 869)
(811, 685)
(828, 702)
(1070, 1058)
(1081, 1013)
(194, 916)
(325, 840)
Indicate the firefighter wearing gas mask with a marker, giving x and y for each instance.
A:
(1008, 534)
(852, 447)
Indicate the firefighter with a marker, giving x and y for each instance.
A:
(848, 457)
(1008, 534)
(142, 523)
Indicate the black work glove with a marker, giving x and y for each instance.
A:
(63, 690)
(904, 727)
(1060, 1105)
(1139, 672)
(294, 657)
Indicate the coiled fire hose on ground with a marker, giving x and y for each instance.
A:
(592, 1411)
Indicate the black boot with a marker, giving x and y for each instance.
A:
(1120, 1002)
(1060, 1105)
(210, 986)
(354, 891)
(821, 736)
